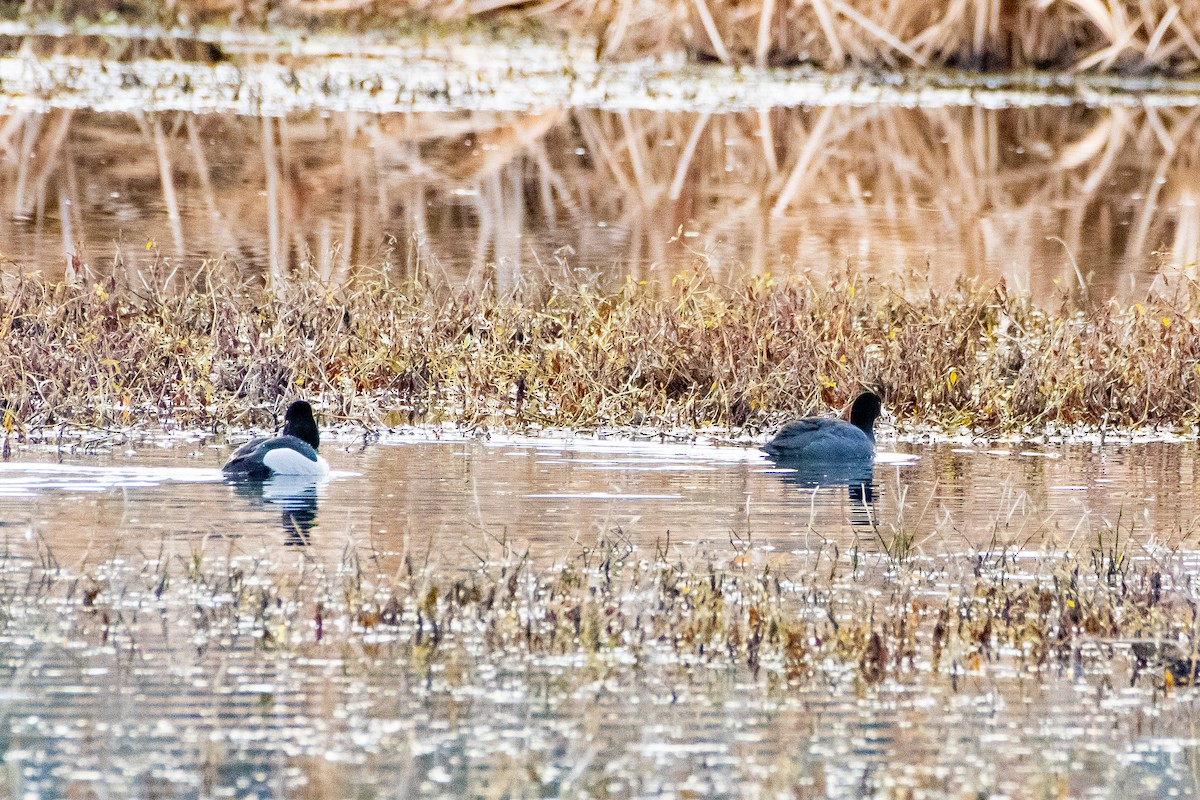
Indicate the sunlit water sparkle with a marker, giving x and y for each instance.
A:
(195, 714)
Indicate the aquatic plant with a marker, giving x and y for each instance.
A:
(216, 349)
(326, 651)
(936, 621)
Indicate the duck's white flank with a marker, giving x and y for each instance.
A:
(286, 461)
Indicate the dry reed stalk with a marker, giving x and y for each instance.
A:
(710, 28)
(202, 171)
(828, 27)
(168, 184)
(274, 227)
(766, 20)
(1131, 36)
(691, 355)
(20, 189)
(633, 146)
(813, 142)
(685, 157)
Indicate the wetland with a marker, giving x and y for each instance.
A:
(550, 275)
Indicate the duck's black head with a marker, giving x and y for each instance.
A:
(299, 422)
(864, 411)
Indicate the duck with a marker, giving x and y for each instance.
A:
(293, 452)
(830, 440)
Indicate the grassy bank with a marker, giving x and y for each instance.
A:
(213, 349)
(1126, 36)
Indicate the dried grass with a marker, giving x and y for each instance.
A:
(688, 355)
(1131, 36)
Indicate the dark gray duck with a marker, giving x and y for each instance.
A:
(831, 439)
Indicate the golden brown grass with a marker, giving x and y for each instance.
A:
(688, 354)
(1132, 36)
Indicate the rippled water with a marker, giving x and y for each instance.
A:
(146, 711)
(454, 498)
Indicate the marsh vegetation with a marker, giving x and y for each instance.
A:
(549, 271)
(687, 355)
(283, 670)
(1126, 36)
(1101, 200)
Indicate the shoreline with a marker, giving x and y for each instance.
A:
(704, 441)
(535, 78)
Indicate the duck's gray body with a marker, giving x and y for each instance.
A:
(828, 439)
(294, 452)
(821, 439)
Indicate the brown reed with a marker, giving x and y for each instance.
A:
(1114, 190)
(692, 354)
(1129, 36)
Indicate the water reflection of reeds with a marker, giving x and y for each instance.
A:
(1041, 196)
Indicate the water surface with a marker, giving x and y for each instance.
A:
(455, 500)
(123, 679)
(1051, 199)
(135, 708)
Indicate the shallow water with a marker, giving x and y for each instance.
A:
(144, 710)
(459, 499)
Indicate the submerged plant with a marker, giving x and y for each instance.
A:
(916, 623)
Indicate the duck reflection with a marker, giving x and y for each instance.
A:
(857, 476)
(296, 498)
